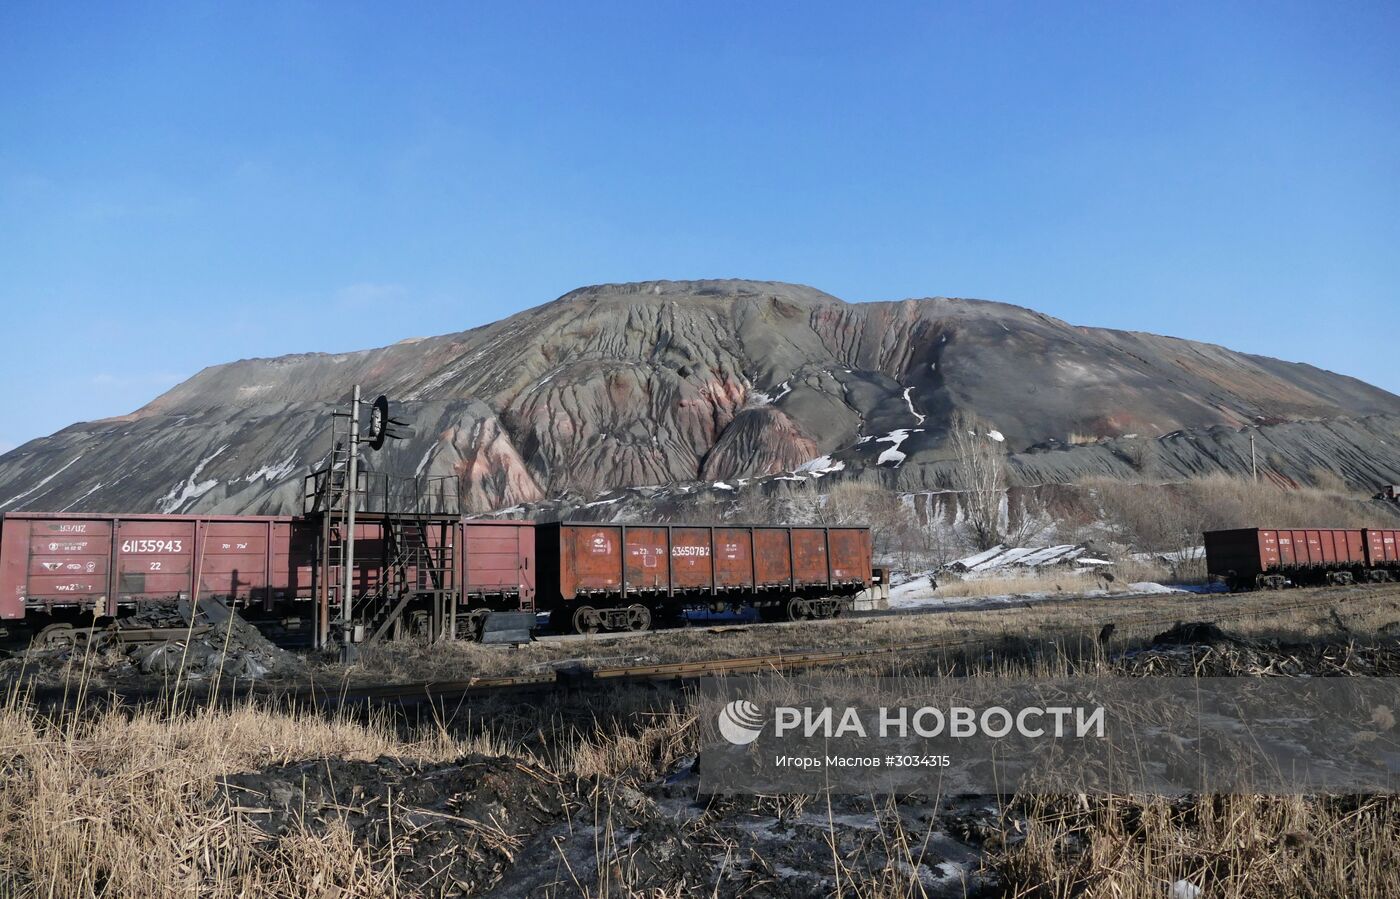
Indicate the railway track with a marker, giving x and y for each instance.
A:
(578, 677)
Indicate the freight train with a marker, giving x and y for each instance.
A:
(1273, 558)
(441, 574)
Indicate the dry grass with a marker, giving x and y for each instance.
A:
(118, 803)
(122, 803)
(1233, 847)
(409, 661)
(1166, 517)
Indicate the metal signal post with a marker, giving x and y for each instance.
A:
(347, 626)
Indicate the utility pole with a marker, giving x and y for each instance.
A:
(1253, 460)
(352, 472)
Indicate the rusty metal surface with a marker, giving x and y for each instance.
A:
(647, 559)
(851, 555)
(772, 556)
(1248, 551)
(734, 560)
(692, 567)
(606, 561)
(1319, 547)
(1382, 546)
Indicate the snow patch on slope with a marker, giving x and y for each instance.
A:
(276, 472)
(820, 466)
(896, 438)
(192, 489)
(910, 403)
(15, 499)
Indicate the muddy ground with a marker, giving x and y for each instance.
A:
(236, 653)
(214, 647)
(1362, 608)
(508, 827)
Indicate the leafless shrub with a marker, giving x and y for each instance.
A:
(981, 477)
(1149, 518)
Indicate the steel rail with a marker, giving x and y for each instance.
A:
(566, 678)
(342, 694)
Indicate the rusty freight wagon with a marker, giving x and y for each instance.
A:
(1271, 558)
(73, 569)
(59, 570)
(596, 576)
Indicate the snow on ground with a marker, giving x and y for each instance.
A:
(1018, 557)
(820, 466)
(1173, 557)
(720, 485)
(21, 496)
(423, 462)
(81, 498)
(918, 594)
(274, 472)
(1150, 587)
(191, 489)
(896, 438)
(910, 403)
(759, 398)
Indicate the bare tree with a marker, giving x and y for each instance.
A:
(981, 476)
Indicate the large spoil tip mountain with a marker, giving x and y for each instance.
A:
(664, 382)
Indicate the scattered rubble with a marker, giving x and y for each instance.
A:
(219, 646)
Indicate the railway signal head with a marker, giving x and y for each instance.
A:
(382, 427)
(378, 423)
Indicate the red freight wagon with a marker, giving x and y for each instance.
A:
(103, 562)
(71, 564)
(1272, 557)
(1383, 549)
(595, 575)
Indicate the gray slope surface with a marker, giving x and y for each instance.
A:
(670, 382)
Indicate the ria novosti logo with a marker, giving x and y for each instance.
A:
(741, 722)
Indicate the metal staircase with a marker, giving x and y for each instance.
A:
(405, 562)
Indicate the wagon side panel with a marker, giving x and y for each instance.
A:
(810, 557)
(850, 557)
(772, 557)
(691, 558)
(734, 559)
(235, 561)
(68, 560)
(14, 563)
(590, 559)
(648, 562)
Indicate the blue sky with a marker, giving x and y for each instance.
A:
(191, 183)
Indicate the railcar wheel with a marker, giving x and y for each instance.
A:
(798, 609)
(473, 626)
(638, 618)
(56, 636)
(587, 620)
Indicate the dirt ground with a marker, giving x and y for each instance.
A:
(1333, 611)
(236, 653)
(597, 795)
(635, 825)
